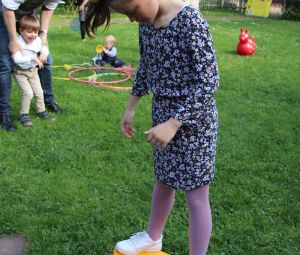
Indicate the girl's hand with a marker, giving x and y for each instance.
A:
(126, 124)
(163, 133)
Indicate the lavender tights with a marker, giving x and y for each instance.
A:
(200, 222)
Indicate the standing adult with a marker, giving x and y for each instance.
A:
(194, 3)
(82, 11)
(10, 12)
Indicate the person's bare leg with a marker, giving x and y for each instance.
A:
(200, 222)
(161, 206)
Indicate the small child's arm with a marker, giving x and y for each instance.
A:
(20, 59)
(44, 52)
(23, 61)
(111, 53)
(38, 61)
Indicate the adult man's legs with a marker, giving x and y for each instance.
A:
(5, 78)
(45, 75)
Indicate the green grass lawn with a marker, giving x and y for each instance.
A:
(76, 186)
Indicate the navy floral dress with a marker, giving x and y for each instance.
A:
(178, 65)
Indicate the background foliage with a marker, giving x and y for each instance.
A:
(292, 10)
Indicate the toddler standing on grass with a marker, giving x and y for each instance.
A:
(27, 63)
(178, 65)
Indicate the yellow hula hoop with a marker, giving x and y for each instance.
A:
(71, 67)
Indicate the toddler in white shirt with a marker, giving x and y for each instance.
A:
(27, 62)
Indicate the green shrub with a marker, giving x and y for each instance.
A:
(292, 10)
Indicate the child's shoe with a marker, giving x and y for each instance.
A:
(137, 243)
(25, 120)
(45, 116)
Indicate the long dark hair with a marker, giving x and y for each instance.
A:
(98, 14)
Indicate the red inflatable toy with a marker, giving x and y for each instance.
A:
(246, 46)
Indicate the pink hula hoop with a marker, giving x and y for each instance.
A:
(103, 84)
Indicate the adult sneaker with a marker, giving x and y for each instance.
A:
(54, 107)
(6, 122)
(139, 242)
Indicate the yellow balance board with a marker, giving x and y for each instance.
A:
(143, 253)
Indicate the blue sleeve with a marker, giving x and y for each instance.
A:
(140, 87)
(205, 80)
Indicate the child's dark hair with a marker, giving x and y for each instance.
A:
(29, 22)
(98, 14)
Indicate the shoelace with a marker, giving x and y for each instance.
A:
(137, 238)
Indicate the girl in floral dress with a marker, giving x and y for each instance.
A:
(178, 66)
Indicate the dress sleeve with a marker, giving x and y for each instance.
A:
(205, 75)
(140, 87)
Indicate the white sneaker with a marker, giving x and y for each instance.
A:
(137, 243)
